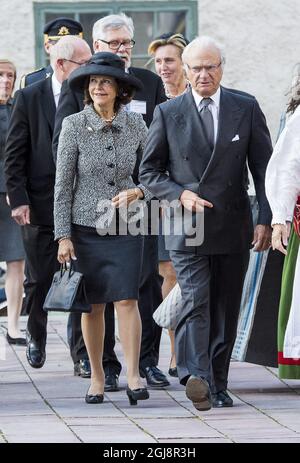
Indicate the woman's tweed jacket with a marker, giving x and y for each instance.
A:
(95, 162)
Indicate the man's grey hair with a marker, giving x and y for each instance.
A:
(203, 41)
(65, 48)
(112, 22)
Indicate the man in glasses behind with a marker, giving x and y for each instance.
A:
(30, 176)
(114, 33)
(53, 31)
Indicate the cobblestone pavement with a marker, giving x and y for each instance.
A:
(47, 405)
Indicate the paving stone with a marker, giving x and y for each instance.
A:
(41, 428)
(266, 401)
(122, 432)
(272, 414)
(18, 376)
(251, 429)
(67, 408)
(178, 428)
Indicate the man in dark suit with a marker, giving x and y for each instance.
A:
(114, 33)
(30, 177)
(196, 154)
(53, 31)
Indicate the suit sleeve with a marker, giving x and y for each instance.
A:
(67, 105)
(160, 95)
(135, 176)
(153, 168)
(260, 150)
(16, 153)
(67, 155)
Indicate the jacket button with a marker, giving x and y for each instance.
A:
(110, 164)
(109, 148)
(111, 183)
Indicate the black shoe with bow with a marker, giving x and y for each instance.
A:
(155, 377)
(35, 352)
(82, 368)
(221, 399)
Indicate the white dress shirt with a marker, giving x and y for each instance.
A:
(56, 88)
(214, 107)
(283, 172)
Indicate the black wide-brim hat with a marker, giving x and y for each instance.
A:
(106, 64)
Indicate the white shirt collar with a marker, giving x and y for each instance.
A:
(56, 85)
(215, 97)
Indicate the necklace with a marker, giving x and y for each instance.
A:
(170, 96)
(110, 119)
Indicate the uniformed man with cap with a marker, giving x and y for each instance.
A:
(53, 31)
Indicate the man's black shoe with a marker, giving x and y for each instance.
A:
(35, 352)
(155, 377)
(111, 382)
(82, 368)
(198, 391)
(221, 399)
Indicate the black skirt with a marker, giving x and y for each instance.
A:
(111, 265)
(11, 243)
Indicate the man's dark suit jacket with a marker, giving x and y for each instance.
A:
(29, 166)
(175, 160)
(72, 102)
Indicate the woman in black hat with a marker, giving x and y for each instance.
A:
(97, 212)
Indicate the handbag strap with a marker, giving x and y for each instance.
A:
(64, 268)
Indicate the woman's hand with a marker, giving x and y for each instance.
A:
(280, 236)
(126, 197)
(65, 251)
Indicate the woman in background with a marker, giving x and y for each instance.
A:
(283, 192)
(11, 244)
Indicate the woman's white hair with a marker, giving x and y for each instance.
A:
(112, 22)
(203, 41)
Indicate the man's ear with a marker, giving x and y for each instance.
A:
(96, 46)
(60, 63)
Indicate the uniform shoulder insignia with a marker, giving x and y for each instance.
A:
(30, 78)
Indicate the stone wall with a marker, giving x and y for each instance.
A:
(261, 37)
(262, 42)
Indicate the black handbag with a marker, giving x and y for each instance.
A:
(67, 292)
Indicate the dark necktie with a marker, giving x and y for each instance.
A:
(208, 121)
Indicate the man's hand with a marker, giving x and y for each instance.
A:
(280, 237)
(65, 251)
(21, 215)
(192, 202)
(126, 197)
(262, 238)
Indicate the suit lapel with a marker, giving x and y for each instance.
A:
(230, 114)
(188, 121)
(48, 103)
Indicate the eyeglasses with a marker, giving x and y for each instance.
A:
(76, 62)
(210, 68)
(115, 44)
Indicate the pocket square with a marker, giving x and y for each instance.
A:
(236, 137)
